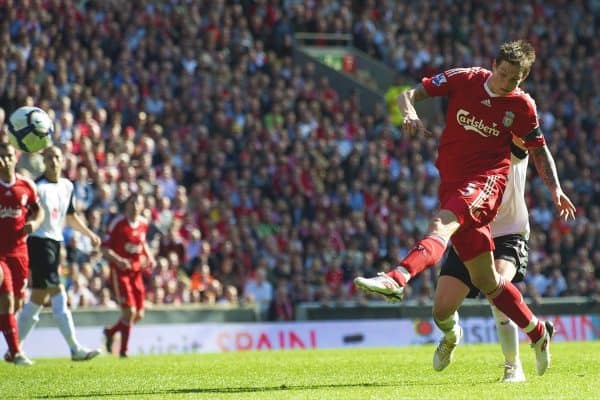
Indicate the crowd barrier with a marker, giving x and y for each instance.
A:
(218, 329)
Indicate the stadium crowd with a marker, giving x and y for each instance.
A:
(261, 183)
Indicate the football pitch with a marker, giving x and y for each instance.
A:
(382, 373)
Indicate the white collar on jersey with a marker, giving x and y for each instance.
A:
(7, 184)
(487, 88)
(133, 224)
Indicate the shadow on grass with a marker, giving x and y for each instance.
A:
(233, 390)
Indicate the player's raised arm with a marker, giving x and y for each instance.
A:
(412, 124)
(546, 168)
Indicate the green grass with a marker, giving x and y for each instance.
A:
(386, 373)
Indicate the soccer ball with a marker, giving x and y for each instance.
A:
(30, 129)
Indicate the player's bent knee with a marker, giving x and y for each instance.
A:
(486, 284)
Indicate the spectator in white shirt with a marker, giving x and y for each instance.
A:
(259, 289)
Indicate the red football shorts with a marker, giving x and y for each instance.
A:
(475, 203)
(15, 270)
(128, 288)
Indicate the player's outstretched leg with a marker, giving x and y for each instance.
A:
(425, 253)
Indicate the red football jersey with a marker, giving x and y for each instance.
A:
(479, 124)
(16, 200)
(127, 239)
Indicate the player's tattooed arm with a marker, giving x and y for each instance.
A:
(546, 168)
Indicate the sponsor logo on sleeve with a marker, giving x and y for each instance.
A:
(468, 190)
(439, 79)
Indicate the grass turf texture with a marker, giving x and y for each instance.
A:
(385, 373)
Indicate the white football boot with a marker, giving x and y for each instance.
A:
(84, 354)
(513, 373)
(542, 349)
(381, 284)
(445, 350)
(22, 360)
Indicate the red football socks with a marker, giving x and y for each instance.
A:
(125, 331)
(509, 300)
(8, 326)
(115, 328)
(426, 252)
(124, 328)
(398, 277)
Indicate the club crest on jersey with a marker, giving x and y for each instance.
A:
(508, 119)
(439, 79)
(468, 190)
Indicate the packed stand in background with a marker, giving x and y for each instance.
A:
(261, 183)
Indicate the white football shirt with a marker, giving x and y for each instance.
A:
(57, 200)
(513, 216)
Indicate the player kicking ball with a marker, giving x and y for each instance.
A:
(486, 109)
(510, 230)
